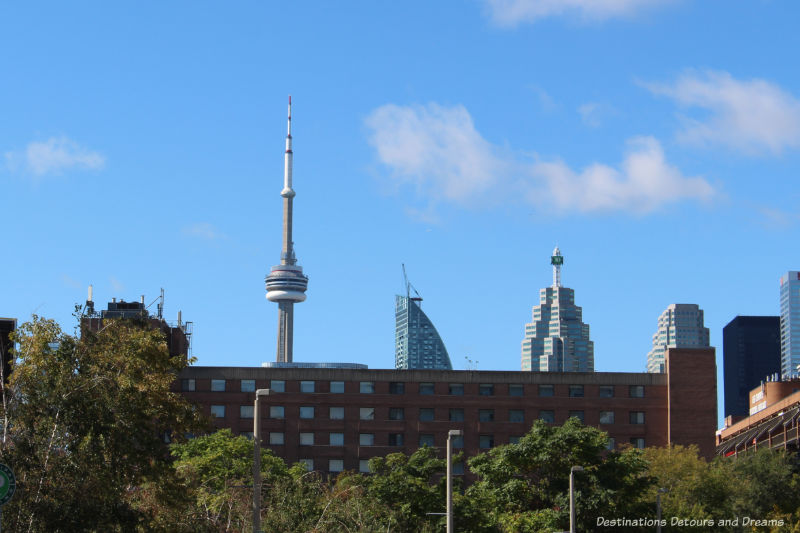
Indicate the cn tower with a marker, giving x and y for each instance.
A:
(286, 283)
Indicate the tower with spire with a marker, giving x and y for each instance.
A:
(286, 283)
(557, 340)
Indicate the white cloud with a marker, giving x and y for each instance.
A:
(514, 12)
(439, 150)
(593, 113)
(203, 230)
(750, 115)
(54, 156)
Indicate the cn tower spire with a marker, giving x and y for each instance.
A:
(286, 283)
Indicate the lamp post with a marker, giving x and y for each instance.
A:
(257, 461)
(450, 434)
(572, 496)
(658, 508)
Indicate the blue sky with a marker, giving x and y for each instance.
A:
(655, 142)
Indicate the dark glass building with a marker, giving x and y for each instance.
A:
(751, 352)
(417, 343)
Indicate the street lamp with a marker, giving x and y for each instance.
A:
(572, 496)
(257, 461)
(658, 508)
(450, 434)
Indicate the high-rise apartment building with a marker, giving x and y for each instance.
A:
(751, 347)
(417, 343)
(679, 326)
(557, 340)
(790, 324)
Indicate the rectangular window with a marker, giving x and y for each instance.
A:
(188, 385)
(514, 439)
(306, 386)
(457, 441)
(547, 416)
(366, 413)
(309, 464)
(337, 387)
(486, 415)
(397, 387)
(366, 387)
(336, 439)
(363, 466)
(456, 415)
(217, 411)
(637, 442)
(247, 385)
(456, 389)
(486, 441)
(606, 391)
(576, 391)
(245, 411)
(218, 385)
(426, 388)
(606, 417)
(610, 443)
(458, 468)
(637, 417)
(426, 414)
(306, 439)
(306, 412)
(426, 439)
(395, 439)
(516, 415)
(396, 413)
(276, 438)
(636, 391)
(276, 411)
(335, 465)
(546, 390)
(486, 389)
(366, 439)
(576, 414)
(277, 385)
(515, 389)
(336, 413)
(246, 434)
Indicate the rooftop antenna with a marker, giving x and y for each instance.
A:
(556, 260)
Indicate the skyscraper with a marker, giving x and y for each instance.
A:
(557, 340)
(679, 326)
(751, 351)
(417, 343)
(790, 324)
(286, 283)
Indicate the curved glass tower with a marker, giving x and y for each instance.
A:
(417, 343)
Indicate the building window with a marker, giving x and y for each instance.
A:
(277, 385)
(335, 465)
(606, 417)
(366, 387)
(457, 441)
(514, 439)
(456, 389)
(516, 415)
(426, 388)
(547, 416)
(456, 415)
(245, 411)
(306, 439)
(336, 439)
(486, 441)
(247, 385)
(217, 385)
(637, 417)
(337, 387)
(306, 412)
(425, 439)
(188, 385)
(606, 391)
(486, 389)
(636, 391)
(426, 414)
(395, 439)
(276, 411)
(397, 387)
(306, 386)
(363, 466)
(396, 413)
(576, 414)
(336, 413)
(516, 389)
(366, 413)
(246, 434)
(366, 439)
(486, 415)
(217, 411)
(458, 468)
(637, 442)
(309, 464)
(546, 390)
(610, 443)
(576, 391)
(276, 438)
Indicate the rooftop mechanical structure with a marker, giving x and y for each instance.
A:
(286, 284)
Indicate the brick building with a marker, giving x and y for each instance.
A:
(336, 419)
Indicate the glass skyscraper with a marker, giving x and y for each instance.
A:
(679, 326)
(417, 343)
(557, 340)
(790, 325)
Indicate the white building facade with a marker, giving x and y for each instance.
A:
(679, 326)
